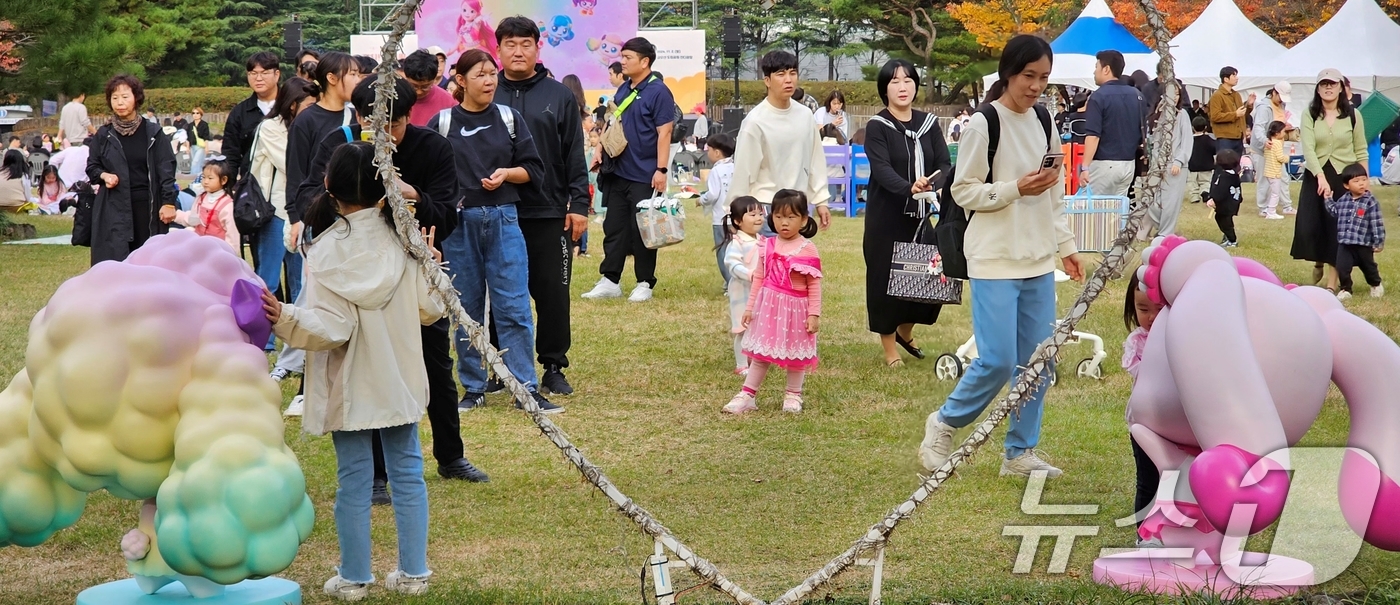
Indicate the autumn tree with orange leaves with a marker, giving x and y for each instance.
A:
(994, 22)
(1288, 21)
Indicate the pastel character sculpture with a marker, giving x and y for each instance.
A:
(608, 49)
(141, 379)
(586, 7)
(1235, 370)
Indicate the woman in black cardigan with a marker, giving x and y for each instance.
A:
(134, 167)
(905, 147)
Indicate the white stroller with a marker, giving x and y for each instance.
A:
(950, 366)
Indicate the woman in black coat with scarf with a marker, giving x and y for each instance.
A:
(134, 168)
(905, 147)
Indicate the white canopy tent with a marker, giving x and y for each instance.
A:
(1093, 30)
(1223, 36)
(1360, 40)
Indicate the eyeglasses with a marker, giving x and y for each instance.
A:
(259, 74)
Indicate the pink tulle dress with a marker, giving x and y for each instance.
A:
(786, 290)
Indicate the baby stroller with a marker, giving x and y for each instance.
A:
(950, 366)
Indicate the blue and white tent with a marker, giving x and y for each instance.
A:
(1092, 31)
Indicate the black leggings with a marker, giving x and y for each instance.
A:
(1147, 480)
(1226, 222)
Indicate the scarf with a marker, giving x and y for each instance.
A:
(126, 128)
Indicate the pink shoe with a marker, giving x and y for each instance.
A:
(740, 404)
(792, 403)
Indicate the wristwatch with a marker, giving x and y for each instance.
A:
(662, 170)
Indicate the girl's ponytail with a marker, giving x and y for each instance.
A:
(809, 230)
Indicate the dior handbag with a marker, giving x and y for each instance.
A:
(916, 272)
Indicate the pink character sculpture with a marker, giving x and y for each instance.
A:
(1235, 371)
(142, 378)
(475, 31)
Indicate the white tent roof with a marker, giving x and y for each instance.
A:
(1093, 30)
(1360, 40)
(1222, 36)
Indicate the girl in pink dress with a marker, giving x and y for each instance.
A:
(785, 304)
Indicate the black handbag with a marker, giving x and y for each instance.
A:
(82, 214)
(917, 272)
(251, 209)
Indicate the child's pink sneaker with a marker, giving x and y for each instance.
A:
(792, 403)
(741, 404)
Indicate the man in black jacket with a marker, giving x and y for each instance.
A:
(428, 171)
(264, 69)
(552, 222)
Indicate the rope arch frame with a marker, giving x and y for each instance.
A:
(878, 535)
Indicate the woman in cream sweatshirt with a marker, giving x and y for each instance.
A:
(1017, 230)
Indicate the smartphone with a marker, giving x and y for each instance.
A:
(1052, 161)
(934, 177)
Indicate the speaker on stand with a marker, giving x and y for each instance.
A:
(291, 40)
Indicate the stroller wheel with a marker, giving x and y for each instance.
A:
(948, 367)
(1087, 369)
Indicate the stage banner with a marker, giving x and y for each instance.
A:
(680, 57)
(580, 37)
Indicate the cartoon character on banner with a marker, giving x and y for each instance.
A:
(1235, 370)
(608, 49)
(585, 7)
(475, 31)
(558, 31)
(146, 378)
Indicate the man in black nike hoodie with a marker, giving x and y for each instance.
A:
(551, 222)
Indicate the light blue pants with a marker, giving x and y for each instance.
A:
(272, 255)
(403, 458)
(486, 254)
(197, 162)
(1010, 317)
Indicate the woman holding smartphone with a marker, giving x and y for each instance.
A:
(905, 148)
(833, 112)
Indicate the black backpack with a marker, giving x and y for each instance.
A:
(952, 220)
(680, 131)
(251, 208)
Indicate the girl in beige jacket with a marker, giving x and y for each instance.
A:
(365, 300)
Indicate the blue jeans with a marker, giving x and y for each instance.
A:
(487, 252)
(196, 161)
(403, 457)
(1010, 317)
(272, 255)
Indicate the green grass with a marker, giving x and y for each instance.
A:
(768, 498)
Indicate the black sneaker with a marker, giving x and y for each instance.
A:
(554, 383)
(494, 385)
(379, 496)
(546, 407)
(471, 401)
(462, 469)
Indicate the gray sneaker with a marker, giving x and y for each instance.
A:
(1026, 463)
(938, 443)
(345, 590)
(403, 583)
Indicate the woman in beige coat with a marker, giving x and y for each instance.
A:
(365, 299)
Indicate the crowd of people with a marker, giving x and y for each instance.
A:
(502, 165)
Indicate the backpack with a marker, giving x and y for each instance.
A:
(210, 224)
(444, 117)
(251, 209)
(680, 131)
(952, 220)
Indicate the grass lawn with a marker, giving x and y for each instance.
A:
(768, 498)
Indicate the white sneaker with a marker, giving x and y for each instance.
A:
(641, 293)
(403, 583)
(1343, 295)
(1025, 464)
(605, 289)
(938, 443)
(346, 590)
(1273, 217)
(296, 407)
(1378, 291)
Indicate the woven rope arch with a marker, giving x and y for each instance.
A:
(878, 535)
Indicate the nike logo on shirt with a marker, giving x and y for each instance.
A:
(467, 133)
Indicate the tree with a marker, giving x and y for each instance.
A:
(65, 46)
(1179, 14)
(994, 22)
(914, 23)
